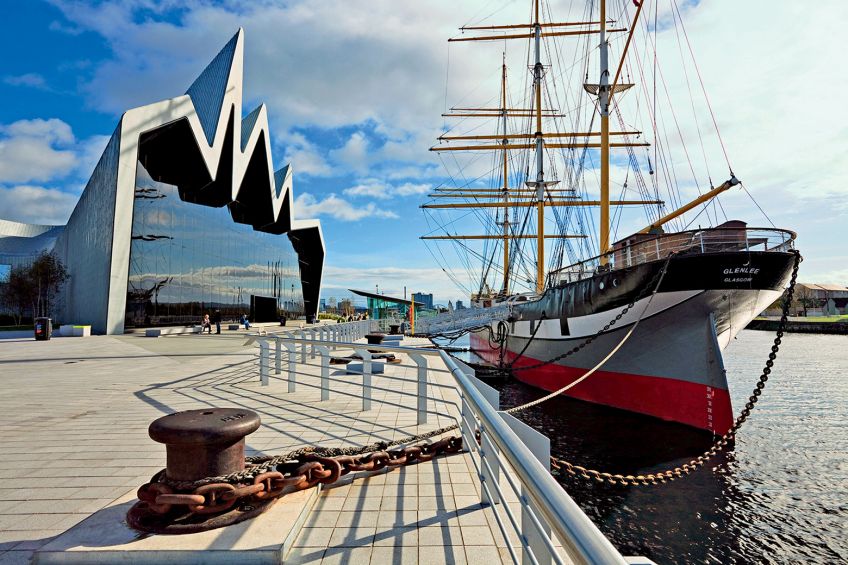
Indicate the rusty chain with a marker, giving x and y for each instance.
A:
(669, 475)
(261, 482)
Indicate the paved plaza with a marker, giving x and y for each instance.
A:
(75, 413)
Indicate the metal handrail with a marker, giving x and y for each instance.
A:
(581, 539)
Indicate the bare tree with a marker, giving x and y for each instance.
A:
(18, 293)
(35, 287)
(805, 298)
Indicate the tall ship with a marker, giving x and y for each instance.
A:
(603, 264)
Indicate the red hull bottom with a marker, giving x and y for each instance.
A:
(675, 400)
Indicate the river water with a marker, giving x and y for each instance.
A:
(780, 495)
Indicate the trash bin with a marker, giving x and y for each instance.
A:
(43, 328)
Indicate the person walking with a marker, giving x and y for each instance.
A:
(216, 319)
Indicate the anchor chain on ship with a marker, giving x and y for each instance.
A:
(561, 465)
(578, 471)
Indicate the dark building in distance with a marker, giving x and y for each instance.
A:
(425, 300)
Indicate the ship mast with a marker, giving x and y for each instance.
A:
(533, 194)
(540, 162)
(505, 183)
(603, 102)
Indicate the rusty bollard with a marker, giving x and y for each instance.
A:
(199, 444)
(204, 443)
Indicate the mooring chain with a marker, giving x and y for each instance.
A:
(672, 474)
(288, 475)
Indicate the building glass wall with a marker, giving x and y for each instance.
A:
(187, 260)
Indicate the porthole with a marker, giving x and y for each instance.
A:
(601, 285)
(614, 282)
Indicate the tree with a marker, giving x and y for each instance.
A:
(35, 287)
(18, 292)
(805, 298)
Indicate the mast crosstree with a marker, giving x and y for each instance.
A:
(539, 191)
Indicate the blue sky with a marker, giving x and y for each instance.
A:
(354, 92)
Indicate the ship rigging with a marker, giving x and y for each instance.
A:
(562, 290)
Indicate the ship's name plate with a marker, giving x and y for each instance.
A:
(742, 271)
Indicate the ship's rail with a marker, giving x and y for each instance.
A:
(541, 521)
(644, 248)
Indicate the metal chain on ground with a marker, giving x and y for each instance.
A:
(672, 474)
(262, 482)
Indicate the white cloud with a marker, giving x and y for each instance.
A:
(412, 189)
(354, 153)
(35, 150)
(307, 206)
(32, 80)
(305, 156)
(374, 188)
(371, 188)
(36, 204)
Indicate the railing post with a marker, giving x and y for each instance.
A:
(467, 424)
(366, 378)
(303, 347)
(324, 353)
(313, 336)
(488, 453)
(290, 347)
(540, 446)
(421, 361)
(278, 356)
(264, 362)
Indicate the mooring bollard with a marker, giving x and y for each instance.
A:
(199, 444)
(204, 443)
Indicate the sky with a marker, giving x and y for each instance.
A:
(355, 90)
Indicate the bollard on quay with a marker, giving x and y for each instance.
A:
(199, 444)
(204, 443)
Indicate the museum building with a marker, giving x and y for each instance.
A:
(184, 214)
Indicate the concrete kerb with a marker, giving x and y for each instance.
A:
(105, 537)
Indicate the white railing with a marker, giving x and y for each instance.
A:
(550, 527)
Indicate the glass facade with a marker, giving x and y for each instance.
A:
(187, 260)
